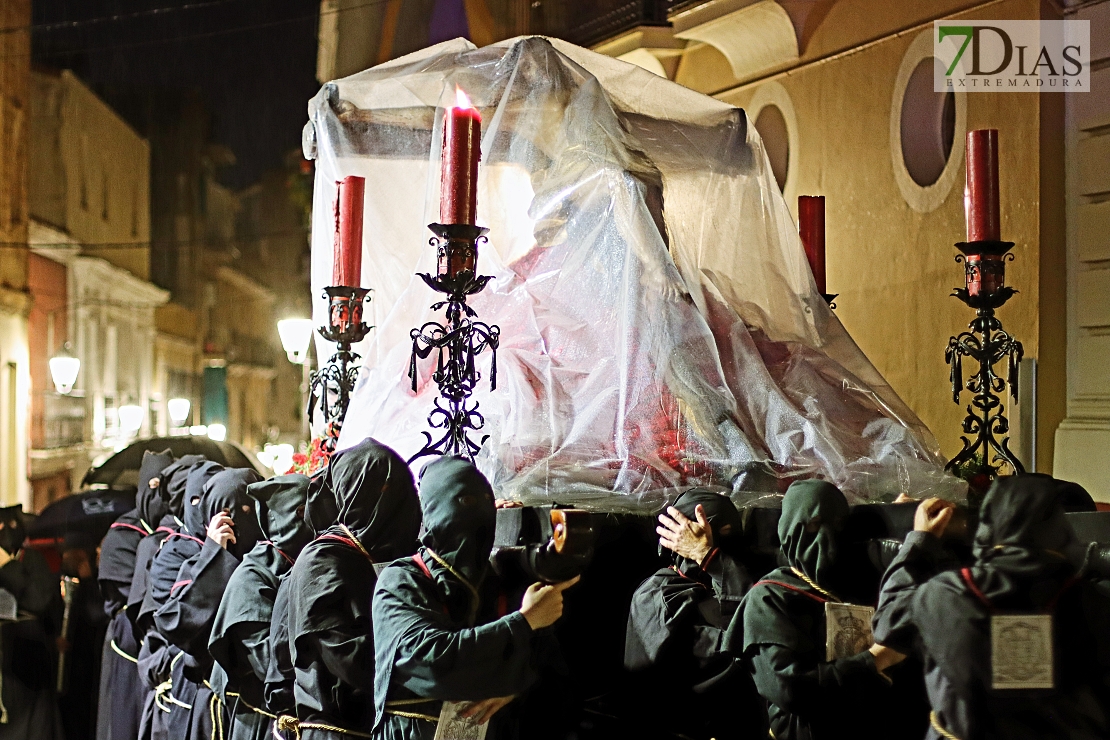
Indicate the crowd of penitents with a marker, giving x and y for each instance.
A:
(350, 605)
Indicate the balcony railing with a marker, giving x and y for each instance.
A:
(588, 23)
(63, 421)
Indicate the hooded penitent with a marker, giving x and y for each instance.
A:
(12, 531)
(118, 549)
(428, 645)
(149, 504)
(459, 519)
(369, 492)
(781, 630)
(675, 624)
(1027, 562)
(1025, 554)
(180, 545)
(239, 642)
(174, 481)
(227, 492)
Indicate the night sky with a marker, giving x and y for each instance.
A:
(253, 63)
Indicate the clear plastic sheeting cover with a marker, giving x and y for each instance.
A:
(660, 328)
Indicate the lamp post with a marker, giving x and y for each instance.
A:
(64, 368)
(178, 409)
(296, 340)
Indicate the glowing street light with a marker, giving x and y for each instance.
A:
(63, 370)
(131, 418)
(179, 410)
(217, 432)
(296, 335)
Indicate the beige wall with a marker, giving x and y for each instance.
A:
(893, 265)
(92, 173)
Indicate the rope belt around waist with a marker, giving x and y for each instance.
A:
(122, 653)
(240, 700)
(391, 708)
(287, 723)
(162, 691)
(934, 721)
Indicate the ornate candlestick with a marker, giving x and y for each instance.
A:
(458, 341)
(984, 258)
(987, 344)
(332, 383)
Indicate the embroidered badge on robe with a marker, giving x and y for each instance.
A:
(1021, 651)
(453, 727)
(847, 630)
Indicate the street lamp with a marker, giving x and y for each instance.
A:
(296, 335)
(63, 369)
(217, 432)
(179, 410)
(131, 418)
(296, 339)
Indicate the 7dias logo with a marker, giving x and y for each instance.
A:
(1012, 56)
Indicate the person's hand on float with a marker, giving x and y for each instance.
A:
(543, 603)
(933, 516)
(483, 711)
(885, 657)
(221, 529)
(691, 539)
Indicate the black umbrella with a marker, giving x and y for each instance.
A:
(121, 470)
(91, 512)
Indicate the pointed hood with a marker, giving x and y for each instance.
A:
(192, 495)
(374, 498)
(149, 504)
(1024, 547)
(459, 515)
(173, 482)
(813, 515)
(280, 504)
(12, 530)
(227, 491)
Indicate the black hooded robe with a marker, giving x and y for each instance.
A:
(436, 639)
(120, 705)
(366, 512)
(1025, 562)
(168, 708)
(781, 632)
(28, 705)
(675, 635)
(186, 617)
(240, 642)
(280, 675)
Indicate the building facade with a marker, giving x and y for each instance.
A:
(15, 304)
(90, 222)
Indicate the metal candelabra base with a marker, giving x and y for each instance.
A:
(986, 450)
(457, 342)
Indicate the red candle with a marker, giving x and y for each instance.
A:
(347, 251)
(462, 138)
(811, 227)
(982, 186)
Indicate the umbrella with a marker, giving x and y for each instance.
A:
(91, 512)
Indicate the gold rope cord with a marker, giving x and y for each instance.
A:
(287, 723)
(119, 651)
(813, 584)
(462, 579)
(356, 541)
(935, 722)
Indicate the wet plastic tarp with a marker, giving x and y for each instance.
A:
(660, 327)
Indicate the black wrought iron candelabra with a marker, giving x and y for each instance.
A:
(986, 449)
(457, 342)
(333, 383)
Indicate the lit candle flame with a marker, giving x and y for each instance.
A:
(461, 99)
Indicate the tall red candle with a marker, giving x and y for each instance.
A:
(347, 251)
(982, 186)
(462, 138)
(811, 227)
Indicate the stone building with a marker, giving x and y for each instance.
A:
(15, 104)
(90, 229)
